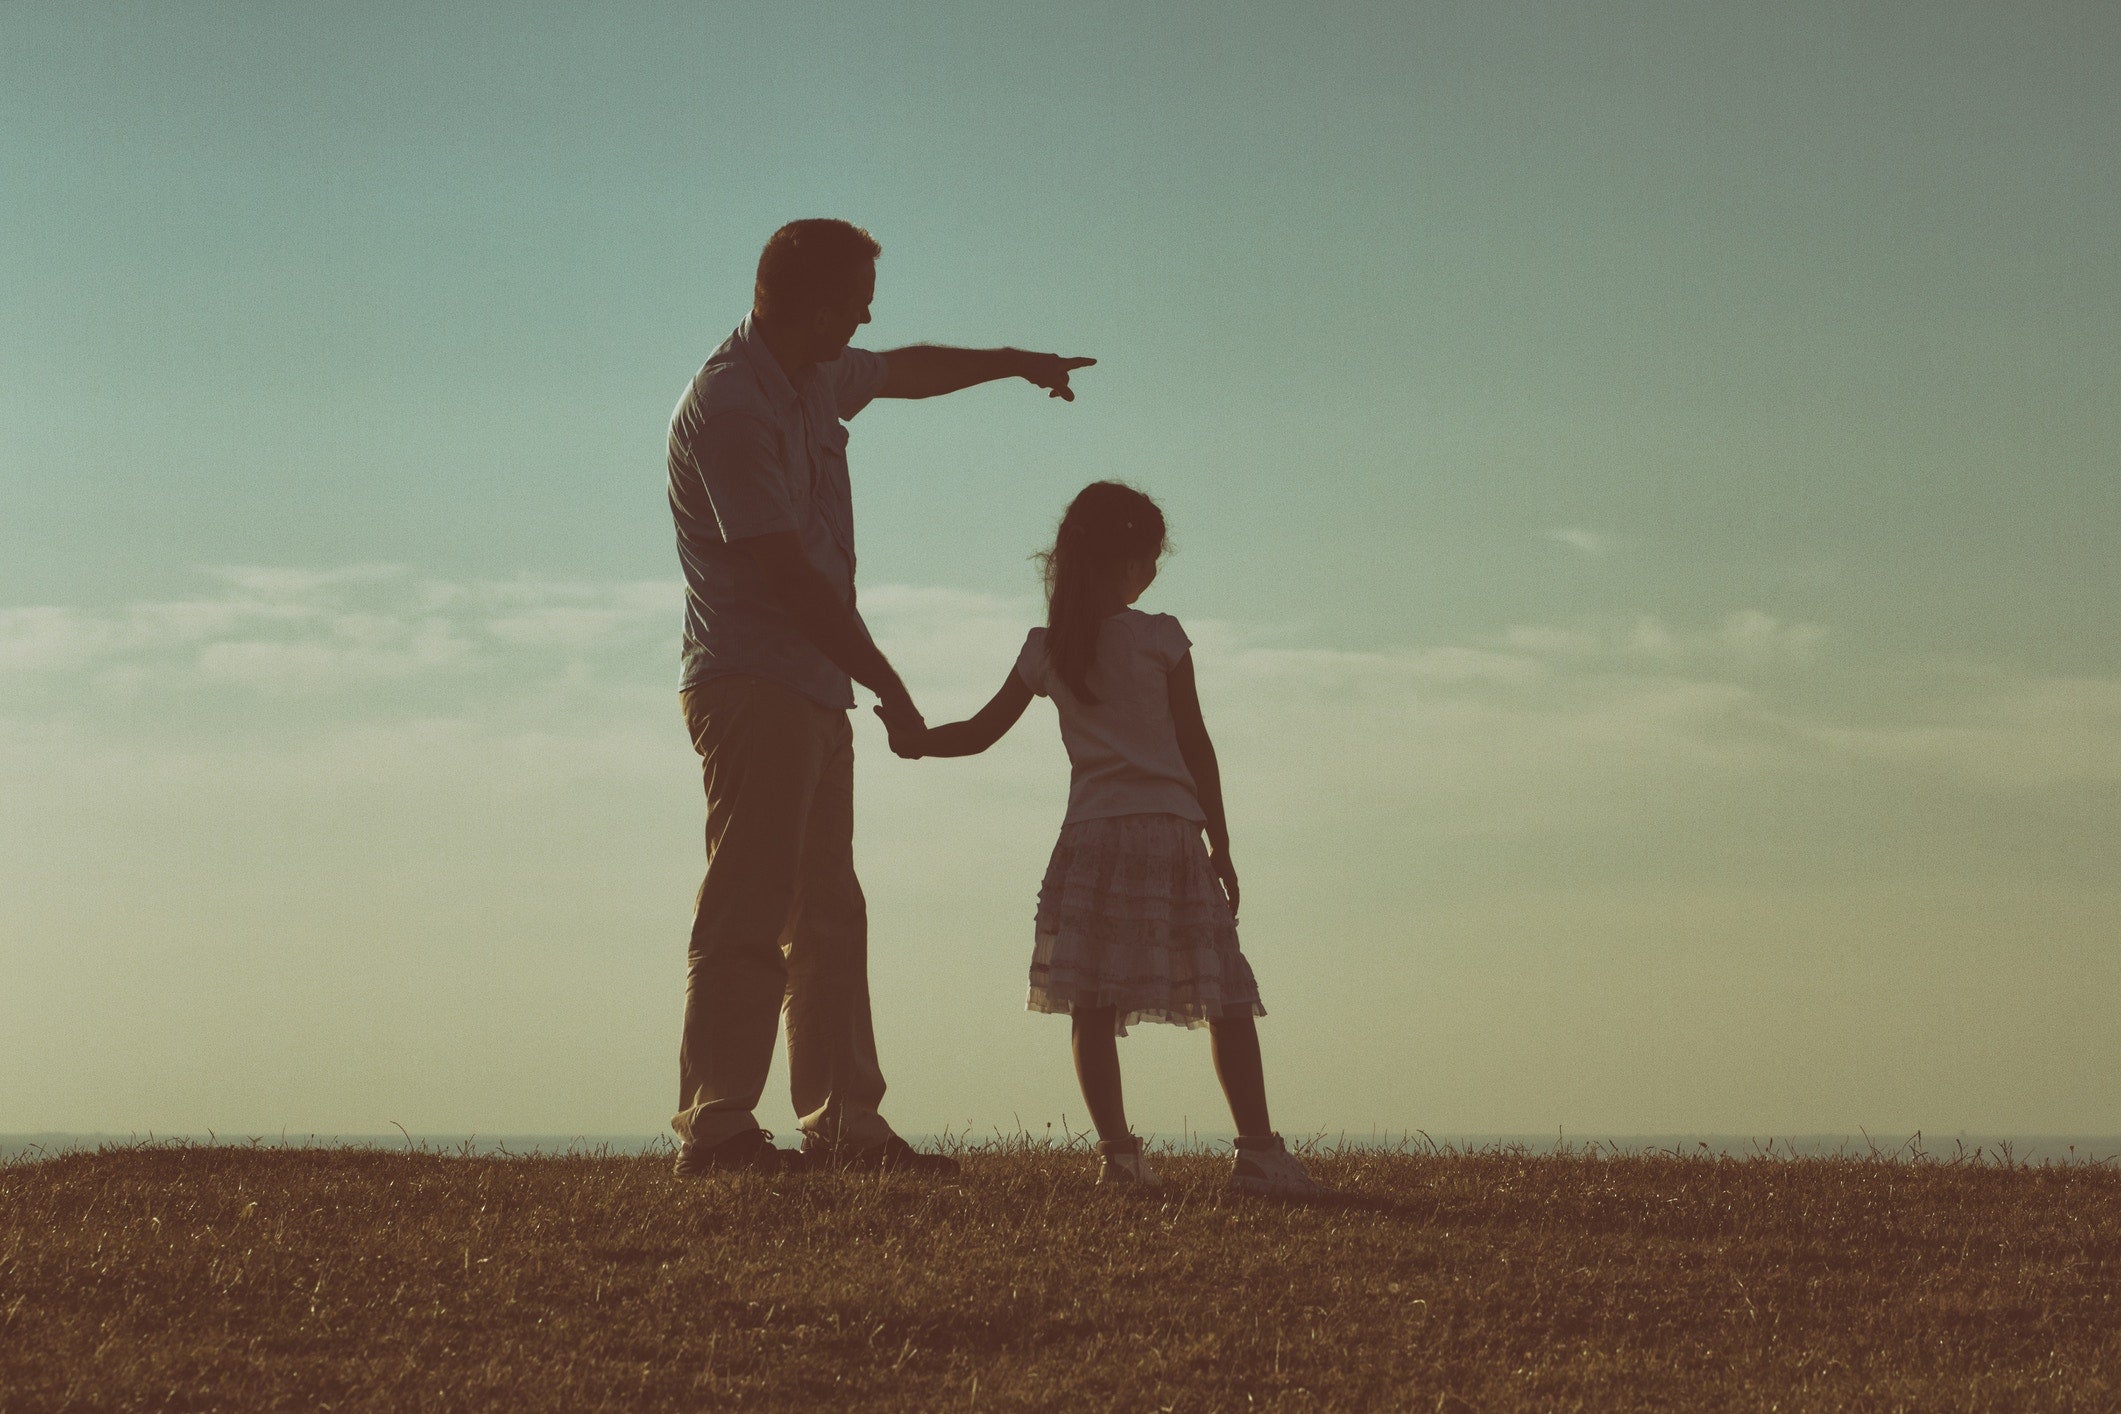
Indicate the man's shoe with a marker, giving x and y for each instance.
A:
(751, 1151)
(1266, 1168)
(1122, 1164)
(893, 1155)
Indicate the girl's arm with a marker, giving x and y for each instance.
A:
(1199, 755)
(984, 728)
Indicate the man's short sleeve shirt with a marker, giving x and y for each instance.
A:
(753, 454)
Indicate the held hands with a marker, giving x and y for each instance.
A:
(1050, 371)
(903, 725)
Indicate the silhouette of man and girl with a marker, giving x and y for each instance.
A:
(1137, 913)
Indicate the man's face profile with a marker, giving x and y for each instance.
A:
(836, 323)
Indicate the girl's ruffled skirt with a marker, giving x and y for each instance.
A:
(1130, 916)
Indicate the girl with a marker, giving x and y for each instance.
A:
(1136, 920)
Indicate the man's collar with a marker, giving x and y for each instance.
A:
(773, 380)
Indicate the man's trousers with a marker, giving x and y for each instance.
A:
(780, 925)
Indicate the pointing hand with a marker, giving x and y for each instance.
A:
(1050, 371)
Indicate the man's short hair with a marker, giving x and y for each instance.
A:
(811, 265)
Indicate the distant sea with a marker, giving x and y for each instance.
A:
(2025, 1148)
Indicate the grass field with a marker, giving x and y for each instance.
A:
(229, 1277)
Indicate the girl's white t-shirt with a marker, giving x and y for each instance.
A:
(1123, 748)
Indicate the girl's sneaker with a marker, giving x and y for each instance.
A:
(1266, 1167)
(1122, 1164)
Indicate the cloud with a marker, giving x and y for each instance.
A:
(353, 649)
(1540, 728)
(292, 631)
(277, 582)
(1537, 720)
(48, 638)
(1756, 637)
(1748, 638)
(2003, 732)
(1587, 542)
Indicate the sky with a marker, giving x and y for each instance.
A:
(1642, 478)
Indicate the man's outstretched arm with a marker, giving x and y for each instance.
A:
(926, 370)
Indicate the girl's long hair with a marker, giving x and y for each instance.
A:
(1107, 525)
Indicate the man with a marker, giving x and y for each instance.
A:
(765, 528)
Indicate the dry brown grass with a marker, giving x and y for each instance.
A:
(193, 1277)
